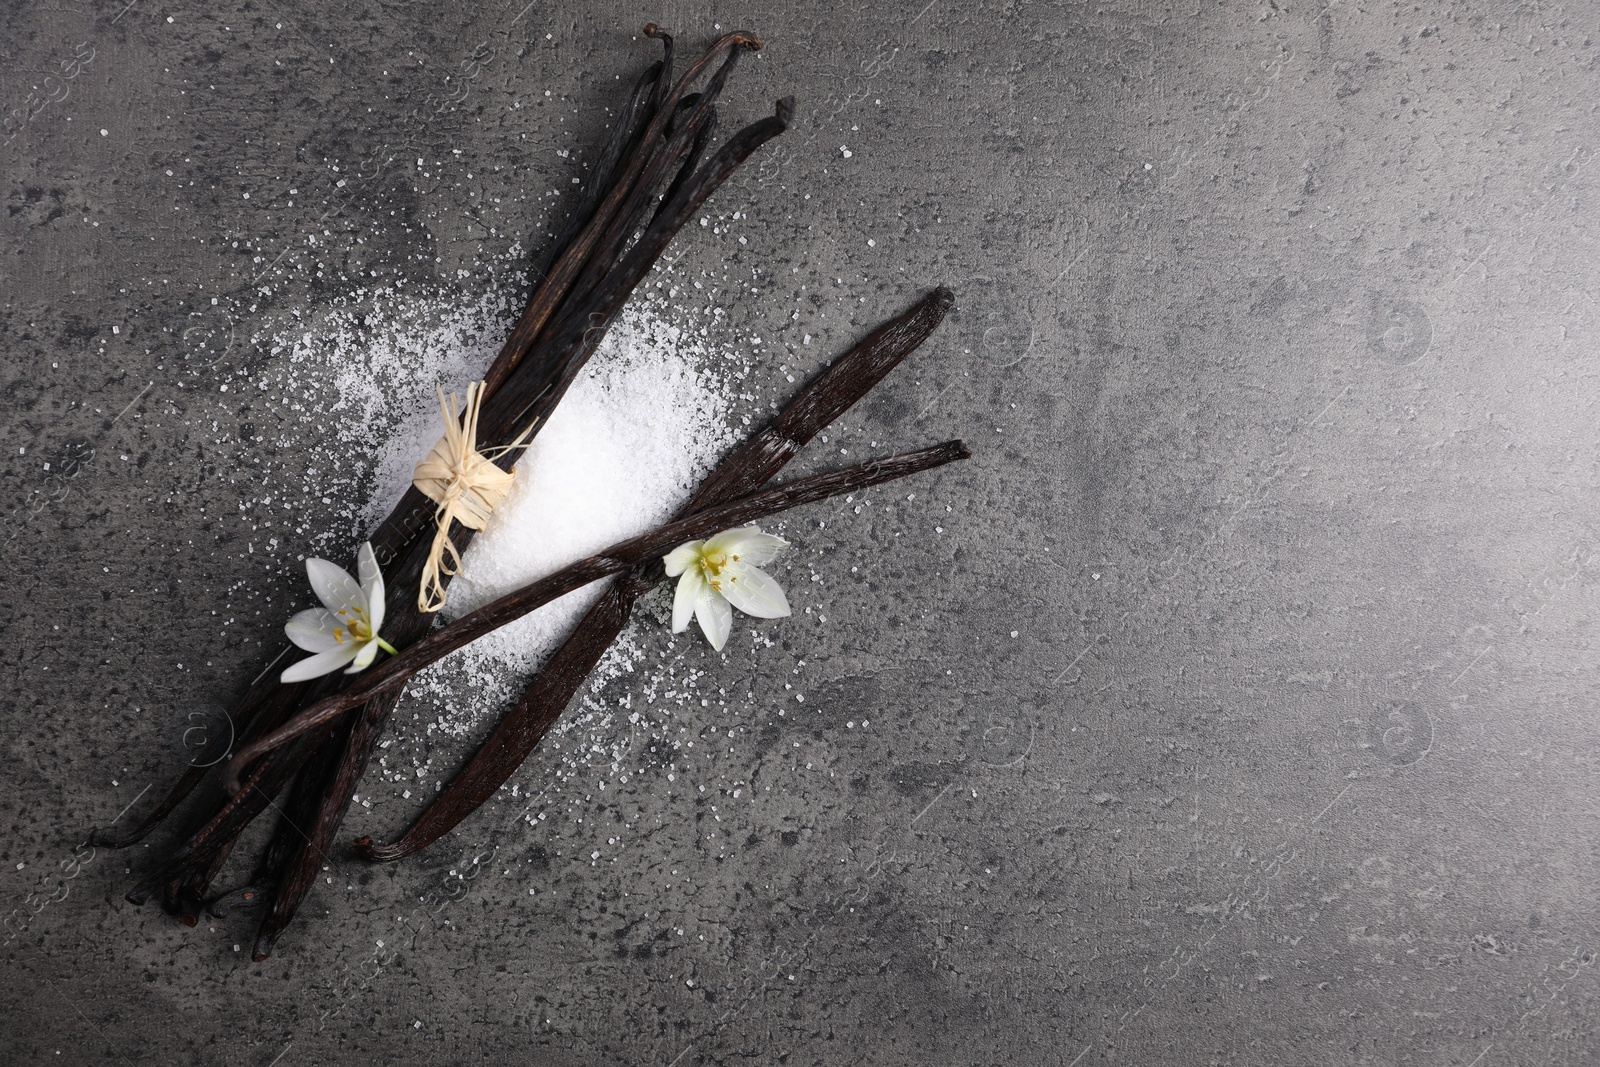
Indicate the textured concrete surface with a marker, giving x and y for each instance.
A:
(1240, 713)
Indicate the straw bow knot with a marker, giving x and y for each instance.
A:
(465, 483)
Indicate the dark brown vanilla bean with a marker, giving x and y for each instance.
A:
(690, 162)
(313, 852)
(751, 465)
(572, 249)
(111, 837)
(579, 329)
(681, 134)
(199, 858)
(295, 816)
(197, 851)
(524, 399)
(638, 260)
(260, 791)
(565, 270)
(617, 558)
(525, 725)
(189, 900)
(693, 116)
(630, 127)
(669, 51)
(242, 806)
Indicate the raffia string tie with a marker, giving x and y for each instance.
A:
(466, 485)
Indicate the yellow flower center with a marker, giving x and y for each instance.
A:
(355, 628)
(712, 564)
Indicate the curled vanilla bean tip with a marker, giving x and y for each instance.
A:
(233, 777)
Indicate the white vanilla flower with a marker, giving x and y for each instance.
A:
(720, 571)
(345, 629)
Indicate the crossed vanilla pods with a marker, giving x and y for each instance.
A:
(304, 745)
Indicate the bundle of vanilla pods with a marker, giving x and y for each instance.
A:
(302, 747)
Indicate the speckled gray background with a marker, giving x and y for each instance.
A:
(1240, 713)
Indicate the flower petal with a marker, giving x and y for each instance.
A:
(747, 544)
(334, 586)
(371, 585)
(753, 591)
(364, 658)
(682, 558)
(716, 618)
(690, 585)
(320, 664)
(312, 629)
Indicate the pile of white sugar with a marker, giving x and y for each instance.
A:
(641, 425)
